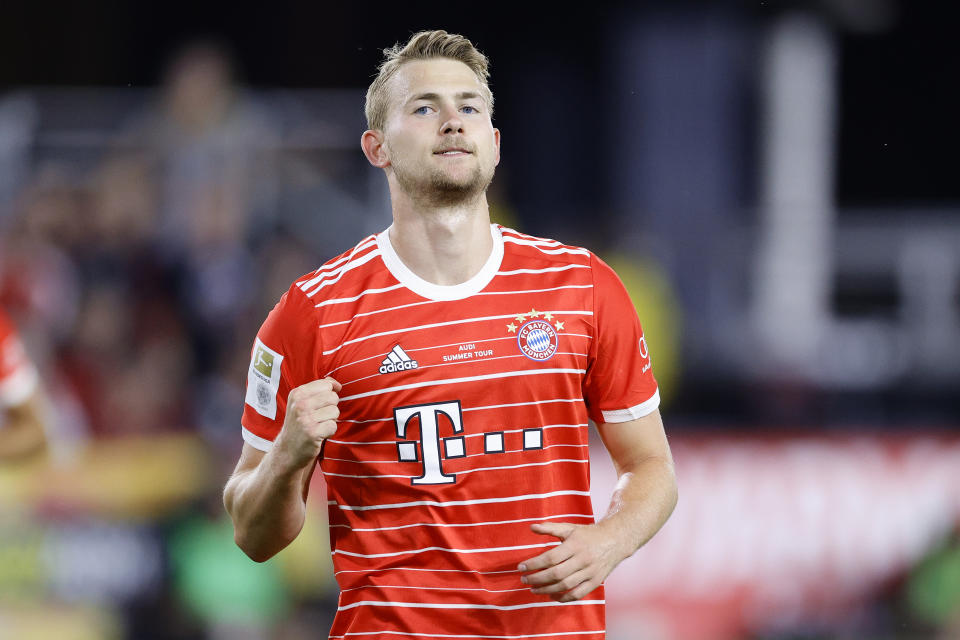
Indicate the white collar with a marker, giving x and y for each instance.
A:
(438, 291)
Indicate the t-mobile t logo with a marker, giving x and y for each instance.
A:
(429, 417)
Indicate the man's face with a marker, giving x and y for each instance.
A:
(441, 143)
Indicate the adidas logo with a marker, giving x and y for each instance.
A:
(398, 360)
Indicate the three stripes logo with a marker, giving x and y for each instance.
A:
(398, 360)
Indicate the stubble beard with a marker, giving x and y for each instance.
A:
(434, 187)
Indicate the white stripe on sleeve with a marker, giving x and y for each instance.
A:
(256, 441)
(632, 413)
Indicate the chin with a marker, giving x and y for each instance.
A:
(447, 188)
(451, 190)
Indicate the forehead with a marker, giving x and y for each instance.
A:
(439, 75)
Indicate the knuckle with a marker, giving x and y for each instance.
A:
(329, 428)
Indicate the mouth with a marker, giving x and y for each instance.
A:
(456, 151)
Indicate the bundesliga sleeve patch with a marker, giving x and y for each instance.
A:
(263, 380)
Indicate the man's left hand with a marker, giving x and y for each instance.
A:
(577, 566)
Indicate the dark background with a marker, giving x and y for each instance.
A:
(898, 89)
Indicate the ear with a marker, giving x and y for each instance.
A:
(496, 147)
(374, 148)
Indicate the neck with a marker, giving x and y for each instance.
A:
(443, 244)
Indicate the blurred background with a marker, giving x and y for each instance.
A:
(776, 183)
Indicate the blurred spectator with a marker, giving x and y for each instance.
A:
(23, 415)
(18, 121)
(214, 150)
(124, 207)
(38, 278)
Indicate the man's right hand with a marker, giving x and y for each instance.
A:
(311, 418)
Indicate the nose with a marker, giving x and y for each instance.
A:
(451, 121)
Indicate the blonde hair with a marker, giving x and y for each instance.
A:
(424, 45)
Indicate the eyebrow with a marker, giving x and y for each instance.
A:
(463, 95)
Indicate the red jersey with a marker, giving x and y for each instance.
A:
(463, 419)
(18, 377)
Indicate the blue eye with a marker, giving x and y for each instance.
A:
(422, 110)
(469, 109)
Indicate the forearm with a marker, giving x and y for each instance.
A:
(642, 501)
(267, 505)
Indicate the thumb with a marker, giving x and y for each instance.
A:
(561, 530)
(336, 385)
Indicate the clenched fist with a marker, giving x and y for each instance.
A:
(311, 418)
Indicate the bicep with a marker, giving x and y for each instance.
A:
(250, 459)
(634, 441)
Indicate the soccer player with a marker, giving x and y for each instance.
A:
(22, 419)
(442, 374)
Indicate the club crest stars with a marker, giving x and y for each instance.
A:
(532, 314)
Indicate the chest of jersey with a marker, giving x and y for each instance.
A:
(435, 351)
(433, 392)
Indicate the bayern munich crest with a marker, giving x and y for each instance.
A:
(537, 340)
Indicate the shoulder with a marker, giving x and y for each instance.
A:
(299, 304)
(349, 265)
(523, 246)
(524, 249)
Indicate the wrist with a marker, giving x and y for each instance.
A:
(618, 534)
(287, 459)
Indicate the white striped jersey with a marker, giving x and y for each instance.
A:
(463, 420)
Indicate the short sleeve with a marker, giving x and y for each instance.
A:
(283, 357)
(18, 376)
(619, 383)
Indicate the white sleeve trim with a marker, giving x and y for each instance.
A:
(638, 411)
(256, 441)
(18, 387)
